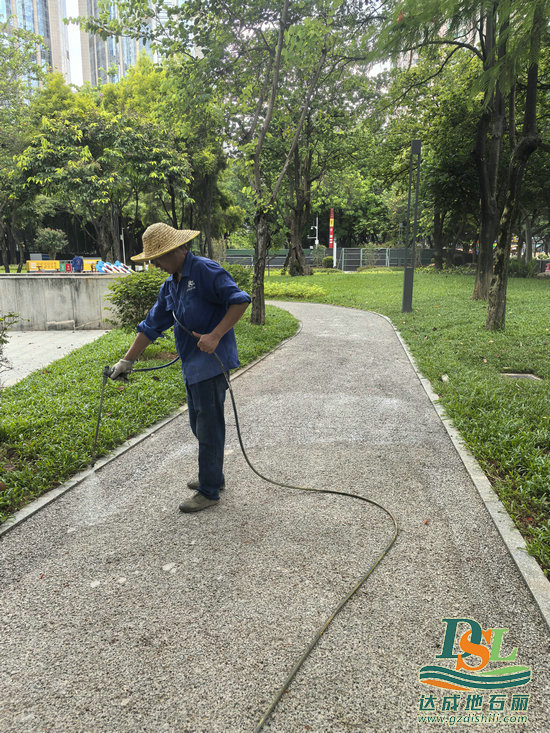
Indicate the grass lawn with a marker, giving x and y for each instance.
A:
(504, 421)
(48, 420)
(13, 268)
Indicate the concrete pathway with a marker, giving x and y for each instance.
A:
(28, 351)
(120, 614)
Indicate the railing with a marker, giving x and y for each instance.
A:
(349, 259)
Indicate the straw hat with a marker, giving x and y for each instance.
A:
(159, 239)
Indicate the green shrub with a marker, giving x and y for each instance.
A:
(519, 268)
(327, 261)
(51, 240)
(132, 296)
(242, 275)
(468, 269)
(5, 322)
(327, 271)
(318, 255)
(369, 256)
(299, 290)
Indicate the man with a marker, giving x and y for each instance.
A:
(77, 263)
(201, 296)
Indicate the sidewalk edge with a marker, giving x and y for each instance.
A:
(529, 569)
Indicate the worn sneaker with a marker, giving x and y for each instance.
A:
(194, 485)
(197, 503)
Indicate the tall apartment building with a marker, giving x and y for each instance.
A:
(44, 17)
(81, 57)
(105, 60)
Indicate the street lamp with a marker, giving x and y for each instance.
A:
(409, 268)
(123, 246)
(316, 237)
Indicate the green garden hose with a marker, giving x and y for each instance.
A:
(353, 590)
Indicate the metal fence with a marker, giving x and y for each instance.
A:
(351, 259)
(348, 259)
(276, 259)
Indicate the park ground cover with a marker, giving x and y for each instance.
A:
(505, 422)
(48, 419)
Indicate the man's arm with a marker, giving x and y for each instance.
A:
(141, 342)
(209, 341)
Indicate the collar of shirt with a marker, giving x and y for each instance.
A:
(186, 268)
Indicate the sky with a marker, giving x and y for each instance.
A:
(74, 44)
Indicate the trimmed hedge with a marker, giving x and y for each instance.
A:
(242, 275)
(133, 296)
(293, 289)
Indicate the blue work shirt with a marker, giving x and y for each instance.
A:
(200, 299)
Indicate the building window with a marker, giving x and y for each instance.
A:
(25, 15)
(101, 60)
(43, 19)
(4, 10)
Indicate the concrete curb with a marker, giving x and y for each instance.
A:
(35, 506)
(530, 570)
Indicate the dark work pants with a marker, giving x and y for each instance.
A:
(205, 402)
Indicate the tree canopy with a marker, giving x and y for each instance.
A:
(258, 117)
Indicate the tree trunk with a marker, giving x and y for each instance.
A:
(530, 140)
(528, 239)
(451, 251)
(21, 256)
(16, 246)
(103, 240)
(487, 174)
(116, 242)
(488, 159)
(173, 209)
(4, 247)
(297, 264)
(202, 246)
(257, 316)
(496, 312)
(209, 195)
(13, 240)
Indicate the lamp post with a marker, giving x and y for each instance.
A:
(316, 227)
(316, 237)
(123, 247)
(409, 268)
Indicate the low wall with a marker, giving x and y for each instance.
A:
(56, 301)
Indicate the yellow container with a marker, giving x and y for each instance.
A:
(36, 265)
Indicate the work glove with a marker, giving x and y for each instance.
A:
(121, 369)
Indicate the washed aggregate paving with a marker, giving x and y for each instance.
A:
(119, 614)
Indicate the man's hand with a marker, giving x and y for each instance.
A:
(207, 341)
(121, 369)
